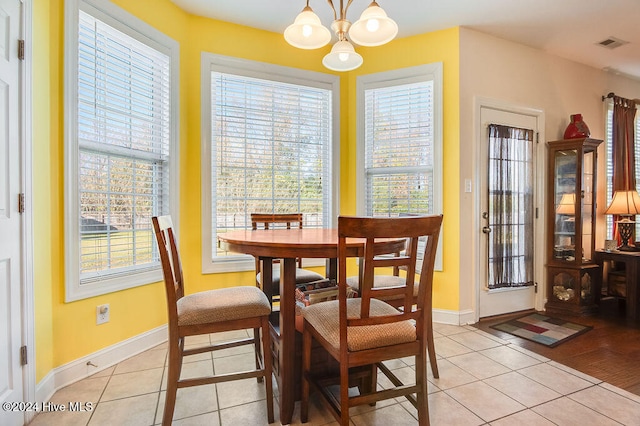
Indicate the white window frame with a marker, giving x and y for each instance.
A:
(427, 72)
(212, 62)
(141, 31)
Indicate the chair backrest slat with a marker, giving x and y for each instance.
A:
(275, 220)
(171, 266)
(268, 219)
(380, 262)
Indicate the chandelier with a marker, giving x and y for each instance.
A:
(374, 28)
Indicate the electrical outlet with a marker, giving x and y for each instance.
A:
(102, 314)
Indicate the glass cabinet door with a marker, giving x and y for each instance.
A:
(572, 279)
(565, 189)
(587, 206)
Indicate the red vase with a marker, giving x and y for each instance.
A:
(577, 128)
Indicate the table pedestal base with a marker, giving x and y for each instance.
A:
(324, 365)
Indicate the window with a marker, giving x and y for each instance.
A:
(121, 122)
(400, 142)
(609, 165)
(268, 146)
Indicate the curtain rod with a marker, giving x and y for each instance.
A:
(611, 95)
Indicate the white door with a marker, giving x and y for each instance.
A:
(497, 295)
(11, 225)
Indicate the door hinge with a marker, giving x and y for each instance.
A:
(535, 287)
(21, 202)
(23, 355)
(537, 137)
(21, 50)
(536, 212)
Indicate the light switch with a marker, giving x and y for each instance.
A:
(467, 185)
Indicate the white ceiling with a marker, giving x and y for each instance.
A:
(568, 28)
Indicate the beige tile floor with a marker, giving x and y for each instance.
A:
(483, 381)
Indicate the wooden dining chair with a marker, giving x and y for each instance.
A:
(281, 221)
(397, 301)
(364, 331)
(206, 312)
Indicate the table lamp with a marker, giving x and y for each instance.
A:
(625, 204)
(567, 205)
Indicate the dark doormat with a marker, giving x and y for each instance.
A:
(542, 329)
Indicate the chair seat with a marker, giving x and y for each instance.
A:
(225, 304)
(325, 319)
(303, 276)
(384, 281)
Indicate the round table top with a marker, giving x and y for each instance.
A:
(282, 243)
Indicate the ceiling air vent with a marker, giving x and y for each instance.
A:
(612, 43)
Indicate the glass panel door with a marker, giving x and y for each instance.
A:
(510, 214)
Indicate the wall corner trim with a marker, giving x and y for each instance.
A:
(443, 316)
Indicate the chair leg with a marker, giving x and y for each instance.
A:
(368, 385)
(175, 361)
(268, 367)
(258, 353)
(431, 346)
(180, 356)
(432, 356)
(306, 366)
(422, 395)
(374, 381)
(344, 394)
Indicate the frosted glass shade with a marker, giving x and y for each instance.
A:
(307, 32)
(343, 57)
(374, 28)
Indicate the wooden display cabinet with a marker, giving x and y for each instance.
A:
(572, 274)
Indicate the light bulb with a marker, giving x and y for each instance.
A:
(343, 57)
(373, 25)
(307, 30)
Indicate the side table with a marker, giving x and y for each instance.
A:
(631, 261)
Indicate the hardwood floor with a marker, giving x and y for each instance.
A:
(609, 352)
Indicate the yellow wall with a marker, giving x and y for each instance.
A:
(44, 144)
(439, 46)
(67, 331)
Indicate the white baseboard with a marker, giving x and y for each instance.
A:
(81, 368)
(467, 317)
(454, 317)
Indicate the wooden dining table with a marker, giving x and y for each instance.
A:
(288, 245)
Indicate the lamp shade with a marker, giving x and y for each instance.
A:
(624, 203)
(307, 32)
(374, 28)
(567, 204)
(343, 57)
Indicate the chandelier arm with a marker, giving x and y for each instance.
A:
(335, 14)
(346, 8)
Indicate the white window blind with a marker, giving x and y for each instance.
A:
(121, 89)
(271, 151)
(399, 143)
(609, 165)
(123, 138)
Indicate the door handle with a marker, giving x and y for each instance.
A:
(486, 230)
